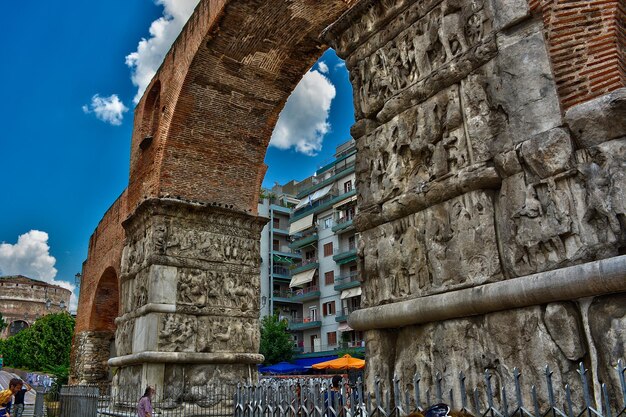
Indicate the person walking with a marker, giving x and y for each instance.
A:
(6, 396)
(18, 405)
(144, 407)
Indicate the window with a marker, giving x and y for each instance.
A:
(313, 313)
(328, 223)
(276, 223)
(328, 309)
(276, 245)
(332, 338)
(329, 278)
(328, 249)
(347, 186)
(352, 243)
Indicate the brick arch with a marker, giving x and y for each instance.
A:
(105, 305)
(222, 87)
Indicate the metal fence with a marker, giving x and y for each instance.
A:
(313, 397)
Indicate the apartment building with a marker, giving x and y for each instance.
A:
(310, 272)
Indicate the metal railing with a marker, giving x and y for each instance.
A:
(305, 262)
(492, 396)
(344, 279)
(280, 270)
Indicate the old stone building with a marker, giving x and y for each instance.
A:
(491, 139)
(23, 300)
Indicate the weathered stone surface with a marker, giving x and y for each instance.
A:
(496, 342)
(548, 154)
(192, 274)
(90, 352)
(607, 324)
(563, 323)
(431, 251)
(565, 219)
(599, 120)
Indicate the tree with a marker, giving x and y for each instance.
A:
(276, 342)
(44, 345)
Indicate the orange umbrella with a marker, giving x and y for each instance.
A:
(345, 362)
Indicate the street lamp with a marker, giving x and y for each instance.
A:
(62, 305)
(48, 304)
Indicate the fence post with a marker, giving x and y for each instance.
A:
(39, 403)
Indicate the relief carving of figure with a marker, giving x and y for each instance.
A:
(192, 288)
(598, 199)
(452, 29)
(177, 333)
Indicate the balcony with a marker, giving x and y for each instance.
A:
(322, 204)
(279, 207)
(299, 323)
(342, 170)
(344, 224)
(281, 272)
(342, 315)
(304, 241)
(306, 294)
(305, 265)
(344, 282)
(346, 255)
(285, 297)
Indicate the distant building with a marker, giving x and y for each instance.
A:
(23, 300)
(309, 250)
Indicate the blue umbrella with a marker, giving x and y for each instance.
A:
(282, 368)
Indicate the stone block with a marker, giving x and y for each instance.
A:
(507, 13)
(162, 283)
(563, 323)
(599, 120)
(146, 333)
(549, 153)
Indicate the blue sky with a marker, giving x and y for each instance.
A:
(63, 165)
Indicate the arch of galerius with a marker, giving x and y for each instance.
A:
(490, 168)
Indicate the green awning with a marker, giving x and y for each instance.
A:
(282, 259)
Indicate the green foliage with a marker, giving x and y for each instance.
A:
(43, 346)
(276, 342)
(354, 352)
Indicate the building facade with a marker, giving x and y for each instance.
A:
(309, 272)
(23, 300)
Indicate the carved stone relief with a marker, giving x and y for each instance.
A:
(444, 34)
(571, 217)
(225, 334)
(223, 287)
(423, 144)
(177, 333)
(432, 251)
(124, 337)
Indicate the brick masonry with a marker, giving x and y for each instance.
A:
(587, 44)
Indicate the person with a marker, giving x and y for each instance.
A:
(15, 385)
(332, 398)
(18, 405)
(438, 410)
(144, 407)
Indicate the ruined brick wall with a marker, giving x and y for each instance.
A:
(586, 43)
(98, 304)
(222, 86)
(156, 120)
(105, 251)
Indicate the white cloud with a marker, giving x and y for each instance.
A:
(303, 123)
(150, 52)
(30, 257)
(340, 64)
(108, 109)
(322, 67)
